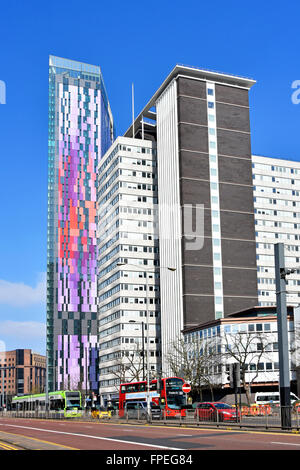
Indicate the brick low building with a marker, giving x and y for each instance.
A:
(22, 372)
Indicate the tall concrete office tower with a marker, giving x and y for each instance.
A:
(200, 122)
(80, 132)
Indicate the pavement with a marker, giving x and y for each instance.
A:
(10, 441)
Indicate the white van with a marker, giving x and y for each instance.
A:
(267, 398)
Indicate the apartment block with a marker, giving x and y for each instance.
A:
(276, 185)
(127, 266)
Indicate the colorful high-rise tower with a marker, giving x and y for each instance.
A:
(80, 132)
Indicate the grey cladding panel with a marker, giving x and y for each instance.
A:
(235, 170)
(235, 144)
(233, 95)
(193, 137)
(236, 198)
(237, 226)
(235, 304)
(200, 256)
(198, 280)
(232, 117)
(194, 165)
(207, 225)
(239, 253)
(189, 87)
(241, 282)
(192, 110)
(195, 192)
(198, 309)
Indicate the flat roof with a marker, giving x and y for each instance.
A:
(192, 72)
(249, 314)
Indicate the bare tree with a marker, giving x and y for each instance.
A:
(129, 367)
(247, 349)
(197, 361)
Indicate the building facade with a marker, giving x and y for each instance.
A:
(276, 184)
(200, 123)
(22, 372)
(250, 338)
(80, 132)
(128, 259)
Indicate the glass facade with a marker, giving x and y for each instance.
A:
(80, 132)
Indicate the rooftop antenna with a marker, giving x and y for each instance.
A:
(133, 111)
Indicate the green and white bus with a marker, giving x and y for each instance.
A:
(63, 402)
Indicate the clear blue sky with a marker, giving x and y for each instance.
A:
(136, 42)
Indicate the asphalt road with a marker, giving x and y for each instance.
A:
(45, 434)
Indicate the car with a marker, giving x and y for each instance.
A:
(268, 398)
(215, 411)
(100, 412)
(138, 409)
(135, 409)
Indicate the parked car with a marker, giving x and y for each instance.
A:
(138, 409)
(215, 411)
(268, 398)
(100, 412)
(135, 410)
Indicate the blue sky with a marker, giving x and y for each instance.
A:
(132, 42)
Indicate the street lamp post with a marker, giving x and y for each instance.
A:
(147, 326)
(283, 348)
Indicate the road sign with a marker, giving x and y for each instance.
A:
(186, 388)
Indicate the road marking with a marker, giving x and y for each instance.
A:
(7, 447)
(285, 443)
(34, 439)
(93, 437)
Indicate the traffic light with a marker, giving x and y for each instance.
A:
(242, 375)
(230, 376)
(234, 375)
(286, 272)
(237, 374)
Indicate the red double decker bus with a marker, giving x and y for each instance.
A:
(166, 393)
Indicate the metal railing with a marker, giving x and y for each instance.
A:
(259, 417)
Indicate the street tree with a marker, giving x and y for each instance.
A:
(197, 361)
(247, 349)
(128, 367)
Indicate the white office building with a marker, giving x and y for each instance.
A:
(250, 338)
(128, 273)
(276, 185)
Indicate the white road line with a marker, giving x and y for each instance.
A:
(93, 437)
(286, 443)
